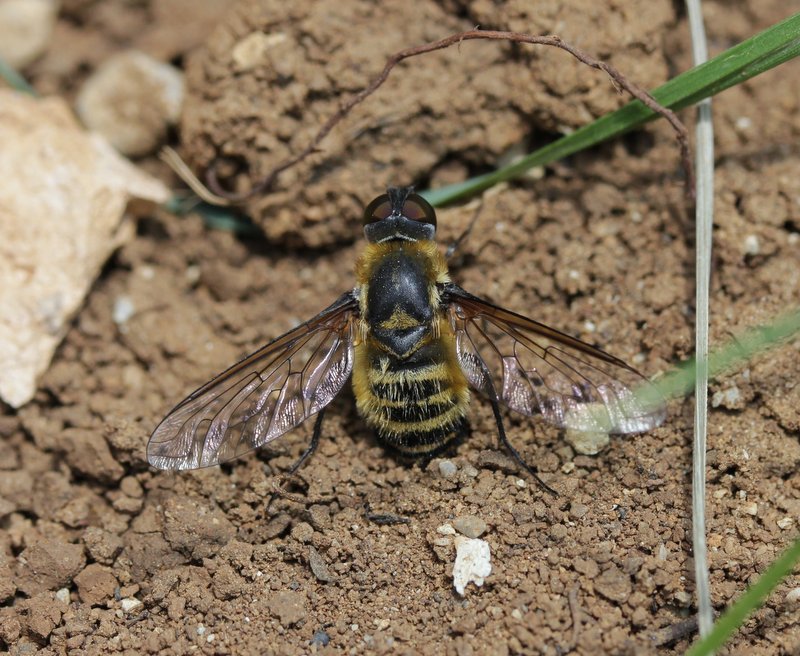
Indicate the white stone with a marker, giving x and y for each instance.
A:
(25, 29)
(131, 99)
(727, 397)
(473, 562)
(123, 309)
(130, 604)
(447, 468)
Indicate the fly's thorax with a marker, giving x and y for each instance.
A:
(399, 294)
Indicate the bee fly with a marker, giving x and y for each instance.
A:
(415, 343)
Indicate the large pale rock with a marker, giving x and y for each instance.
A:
(63, 198)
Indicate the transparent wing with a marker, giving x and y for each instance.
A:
(263, 396)
(536, 370)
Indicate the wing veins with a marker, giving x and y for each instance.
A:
(223, 418)
(563, 377)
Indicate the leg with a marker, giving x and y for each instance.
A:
(312, 446)
(502, 432)
(452, 247)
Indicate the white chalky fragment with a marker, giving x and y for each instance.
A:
(473, 562)
(129, 604)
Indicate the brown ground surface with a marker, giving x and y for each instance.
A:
(601, 246)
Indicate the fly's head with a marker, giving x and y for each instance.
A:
(399, 214)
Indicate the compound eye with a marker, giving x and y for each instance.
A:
(378, 210)
(417, 208)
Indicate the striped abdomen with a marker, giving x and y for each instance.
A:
(406, 378)
(414, 406)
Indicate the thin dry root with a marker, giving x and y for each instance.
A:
(215, 190)
(171, 158)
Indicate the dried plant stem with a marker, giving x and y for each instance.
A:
(704, 218)
(619, 80)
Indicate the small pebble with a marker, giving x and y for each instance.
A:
(728, 398)
(319, 566)
(123, 309)
(25, 29)
(793, 596)
(446, 529)
(587, 443)
(252, 51)
(447, 468)
(470, 471)
(321, 639)
(785, 522)
(131, 99)
(63, 595)
(751, 245)
(470, 525)
(578, 510)
(130, 604)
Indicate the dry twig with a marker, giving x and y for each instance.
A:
(618, 79)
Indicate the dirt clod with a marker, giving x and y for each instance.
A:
(614, 585)
(41, 615)
(47, 565)
(289, 607)
(87, 453)
(96, 584)
(196, 529)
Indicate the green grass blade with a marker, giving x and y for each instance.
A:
(773, 46)
(14, 79)
(680, 381)
(750, 601)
